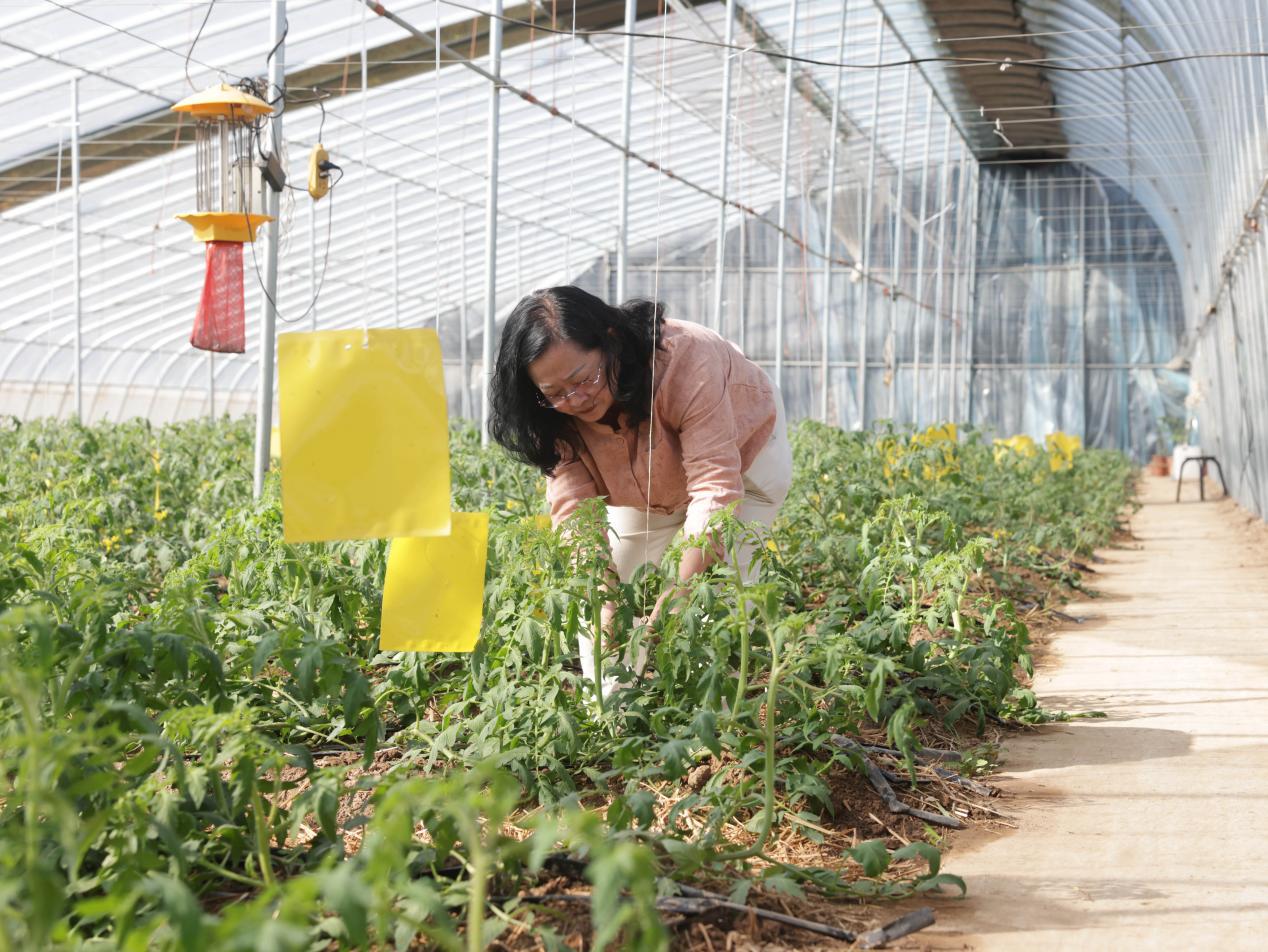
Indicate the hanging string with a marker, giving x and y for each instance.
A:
(365, 219)
(435, 256)
(57, 205)
(658, 148)
(572, 142)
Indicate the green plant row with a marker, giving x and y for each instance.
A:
(203, 746)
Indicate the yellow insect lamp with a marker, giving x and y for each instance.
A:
(226, 183)
(225, 173)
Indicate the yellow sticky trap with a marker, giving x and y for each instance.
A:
(365, 427)
(433, 597)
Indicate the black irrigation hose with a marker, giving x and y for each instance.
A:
(948, 776)
(881, 786)
(924, 755)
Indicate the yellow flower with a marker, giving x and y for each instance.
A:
(770, 544)
(1021, 446)
(512, 504)
(109, 543)
(946, 433)
(160, 515)
(1061, 450)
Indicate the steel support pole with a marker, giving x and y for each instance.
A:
(939, 280)
(781, 259)
(826, 311)
(970, 296)
(953, 393)
(896, 251)
(919, 296)
(724, 157)
(268, 321)
(623, 186)
(396, 258)
(491, 217)
(464, 355)
(1087, 417)
(76, 250)
(866, 289)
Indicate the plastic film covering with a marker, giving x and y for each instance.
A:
(1189, 139)
(902, 317)
(1079, 311)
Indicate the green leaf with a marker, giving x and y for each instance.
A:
(935, 883)
(705, 725)
(872, 855)
(926, 851)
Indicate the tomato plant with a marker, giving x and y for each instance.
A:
(203, 746)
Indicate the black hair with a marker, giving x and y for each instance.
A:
(627, 336)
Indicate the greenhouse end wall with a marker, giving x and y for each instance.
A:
(1075, 302)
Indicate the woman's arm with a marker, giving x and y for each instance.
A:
(567, 487)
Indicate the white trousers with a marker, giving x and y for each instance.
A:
(639, 537)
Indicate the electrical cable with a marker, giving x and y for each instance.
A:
(127, 32)
(207, 16)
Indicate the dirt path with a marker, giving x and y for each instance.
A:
(1144, 830)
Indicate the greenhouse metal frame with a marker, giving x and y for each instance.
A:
(1023, 216)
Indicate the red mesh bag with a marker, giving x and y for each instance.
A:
(221, 321)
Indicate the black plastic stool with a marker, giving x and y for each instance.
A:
(1201, 461)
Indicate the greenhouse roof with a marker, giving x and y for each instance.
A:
(402, 239)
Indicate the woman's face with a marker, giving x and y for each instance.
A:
(573, 381)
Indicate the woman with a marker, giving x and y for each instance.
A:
(664, 419)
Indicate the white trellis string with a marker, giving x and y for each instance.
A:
(435, 257)
(659, 149)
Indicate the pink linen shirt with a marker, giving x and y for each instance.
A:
(713, 411)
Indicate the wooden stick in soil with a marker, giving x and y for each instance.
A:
(881, 786)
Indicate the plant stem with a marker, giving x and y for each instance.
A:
(475, 903)
(741, 681)
(768, 773)
(262, 839)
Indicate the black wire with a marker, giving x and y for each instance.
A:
(330, 219)
(1008, 63)
(286, 28)
(197, 36)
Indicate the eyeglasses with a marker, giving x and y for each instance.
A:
(555, 402)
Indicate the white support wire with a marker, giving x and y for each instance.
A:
(76, 249)
(623, 181)
(865, 288)
(491, 219)
(724, 147)
(782, 245)
(829, 197)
